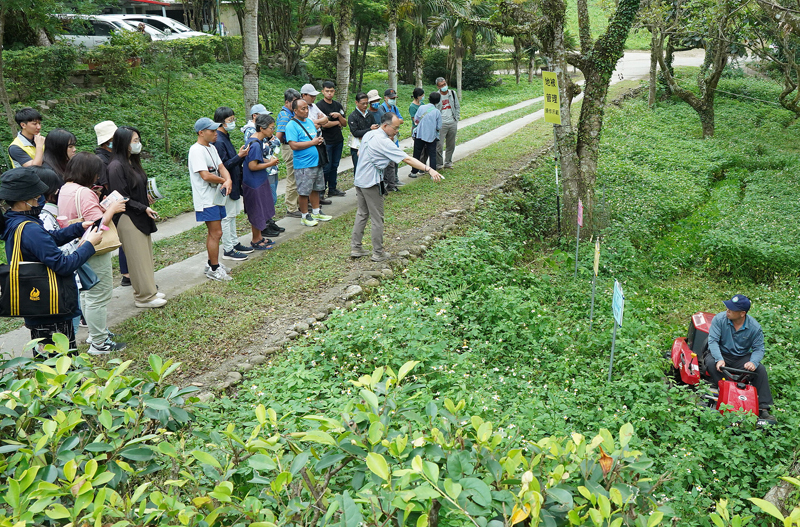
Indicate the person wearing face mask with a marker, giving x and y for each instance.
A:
(451, 114)
(232, 159)
(21, 189)
(360, 122)
(137, 223)
(389, 105)
(378, 149)
(374, 102)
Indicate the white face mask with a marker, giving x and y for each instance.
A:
(443, 89)
(136, 148)
(230, 126)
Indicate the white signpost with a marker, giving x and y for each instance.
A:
(594, 278)
(618, 307)
(578, 237)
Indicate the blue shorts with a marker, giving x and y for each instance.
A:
(215, 213)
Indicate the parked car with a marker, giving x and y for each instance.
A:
(166, 25)
(93, 30)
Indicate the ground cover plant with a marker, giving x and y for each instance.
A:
(496, 319)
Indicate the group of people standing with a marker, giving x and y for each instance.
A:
(56, 192)
(54, 195)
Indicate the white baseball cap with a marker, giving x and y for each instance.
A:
(309, 89)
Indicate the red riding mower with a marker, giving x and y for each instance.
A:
(689, 367)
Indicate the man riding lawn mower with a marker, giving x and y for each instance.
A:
(726, 350)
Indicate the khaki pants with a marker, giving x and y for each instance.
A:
(139, 250)
(370, 207)
(290, 197)
(447, 134)
(94, 302)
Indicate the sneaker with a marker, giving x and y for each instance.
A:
(126, 281)
(269, 231)
(106, 347)
(414, 175)
(392, 189)
(295, 214)
(308, 221)
(161, 295)
(234, 255)
(156, 302)
(321, 217)
(275, 227)
(242, 248)
(381, 256)
(108, 333)
(220, 275)
(358, 253)
(336, 193)
(448, 165)
(325, 201)
(207, 268)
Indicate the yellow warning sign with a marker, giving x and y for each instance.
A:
(552, 104)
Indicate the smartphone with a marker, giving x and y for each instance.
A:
(223, 191)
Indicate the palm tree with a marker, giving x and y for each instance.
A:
(454, 31)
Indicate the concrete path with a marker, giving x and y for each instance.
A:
(184, 275)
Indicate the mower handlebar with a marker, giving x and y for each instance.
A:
(737, 375)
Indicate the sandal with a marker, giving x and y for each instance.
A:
(264, 244)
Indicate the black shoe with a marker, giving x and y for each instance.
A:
(763, 413)
(325, 201)
(336, 192)
(414, 174)
(126, 281)
(242, 248)
(270, 232)
(392, 189)
(275, 227)
(295, 214)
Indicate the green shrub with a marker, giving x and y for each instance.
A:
(477, 73)
(322, 62)
(434, 65)
(35, 72)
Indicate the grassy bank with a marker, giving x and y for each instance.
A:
(497, 319)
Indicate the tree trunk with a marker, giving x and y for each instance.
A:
(343, 53)
(517, 59)
(354, 62)
(418, 68)
(391, 46)
(459, 66)
(364, 58)
(12, 124)
(655, 50)
(250, 57)
(531, 67)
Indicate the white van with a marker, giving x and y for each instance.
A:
(94, 30)
(166, 25)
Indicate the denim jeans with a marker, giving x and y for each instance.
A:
(273, 185)
(331, 169)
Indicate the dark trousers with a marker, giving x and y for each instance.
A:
(354, 157)
(424, 150)
(123, 262)
(46, 332)
(331, 170)
(760, 381)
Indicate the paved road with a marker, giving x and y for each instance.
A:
(182, 276)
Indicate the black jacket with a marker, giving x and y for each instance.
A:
(230, 158)
(360, 125)
(136, 207)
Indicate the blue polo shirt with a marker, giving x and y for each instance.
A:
(308, 157)
(724, 339)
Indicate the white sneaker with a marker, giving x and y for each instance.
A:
(156, 302)
(208, 267)
(219, 275)
(161, 295)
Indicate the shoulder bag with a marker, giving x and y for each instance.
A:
(110, 241)
(323, 152)
(31, 289)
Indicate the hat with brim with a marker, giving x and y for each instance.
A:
(21, 184)
(309, 89)
(373, 96)
(738, 303)
(259, 109)
(204, 123)
(105, 131)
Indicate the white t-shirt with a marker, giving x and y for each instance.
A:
(314, 112)
(203, 158)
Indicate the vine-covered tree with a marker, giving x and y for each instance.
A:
(544, 21)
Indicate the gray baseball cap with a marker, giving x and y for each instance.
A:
(260, 109)
(309, 89)
(204, 123)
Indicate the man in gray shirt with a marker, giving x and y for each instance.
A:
(376, 152)
(735, 340)
(451, 114)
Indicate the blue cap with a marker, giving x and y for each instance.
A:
(204, 123)
(260, 109)
(738, 303)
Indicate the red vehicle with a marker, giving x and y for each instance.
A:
(689, 367)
